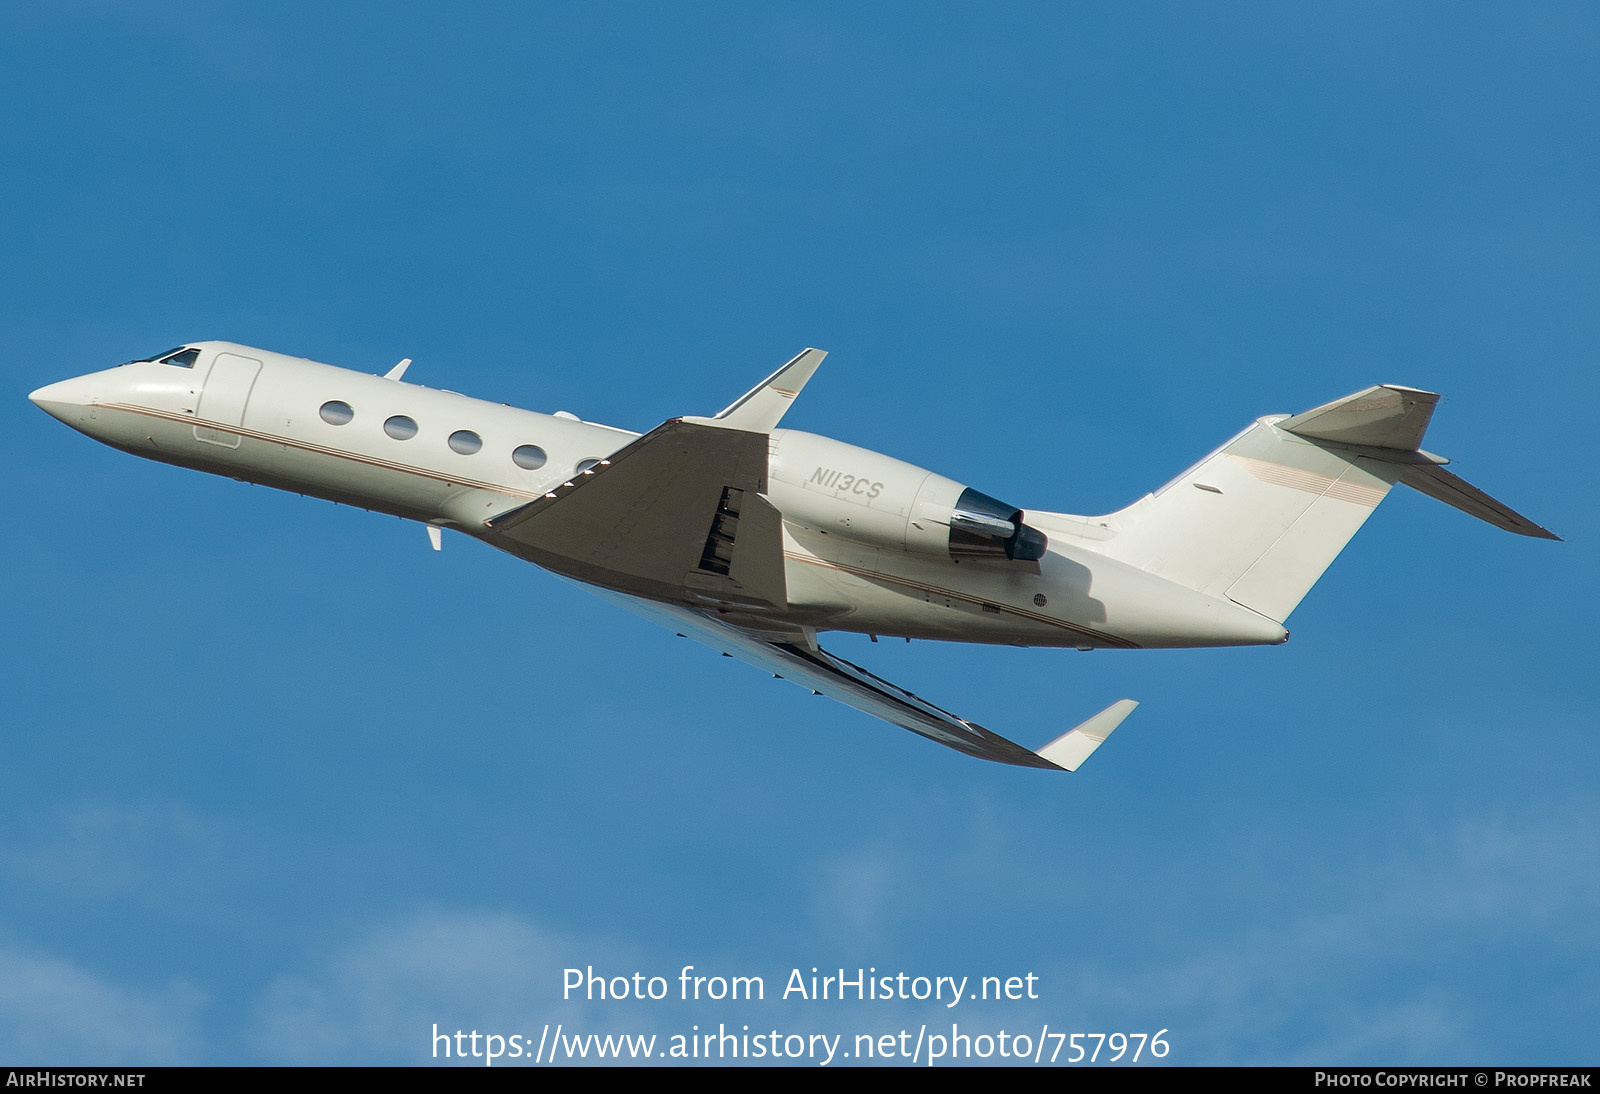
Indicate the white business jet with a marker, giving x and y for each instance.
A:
(752, 539)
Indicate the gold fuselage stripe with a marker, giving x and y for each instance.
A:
(324, 450)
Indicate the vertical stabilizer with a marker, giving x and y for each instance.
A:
(1257, 521)
(1261, 518)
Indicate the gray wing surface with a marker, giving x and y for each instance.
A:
(678, 514)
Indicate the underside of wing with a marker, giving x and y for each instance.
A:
(794, 655)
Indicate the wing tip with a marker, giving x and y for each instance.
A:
(1069, 750)
(760, 409)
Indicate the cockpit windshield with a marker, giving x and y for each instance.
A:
(181, 356)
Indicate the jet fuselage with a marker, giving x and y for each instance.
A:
(867, 539)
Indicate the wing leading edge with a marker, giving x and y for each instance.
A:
(792, 657)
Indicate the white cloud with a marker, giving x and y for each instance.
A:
(378, 1000)
(149, 851)
(53, 1012)
(1406, 959)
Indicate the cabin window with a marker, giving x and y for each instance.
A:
(585, 465)
(530, 456)
(465, 441)
(400, 427)
(335, 412)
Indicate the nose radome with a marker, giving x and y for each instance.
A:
(61, 399)
(44, 395)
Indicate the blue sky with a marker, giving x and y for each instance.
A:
(280, 784)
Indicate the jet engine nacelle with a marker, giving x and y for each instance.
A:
(837, 488)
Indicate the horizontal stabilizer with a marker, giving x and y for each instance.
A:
(1388, 422)
(1387, 416)
(1436, 482)
(1073, 747)
(760, 409)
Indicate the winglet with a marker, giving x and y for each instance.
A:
(761, 408)
(1076, 745)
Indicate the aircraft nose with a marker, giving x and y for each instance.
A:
(62, 399)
